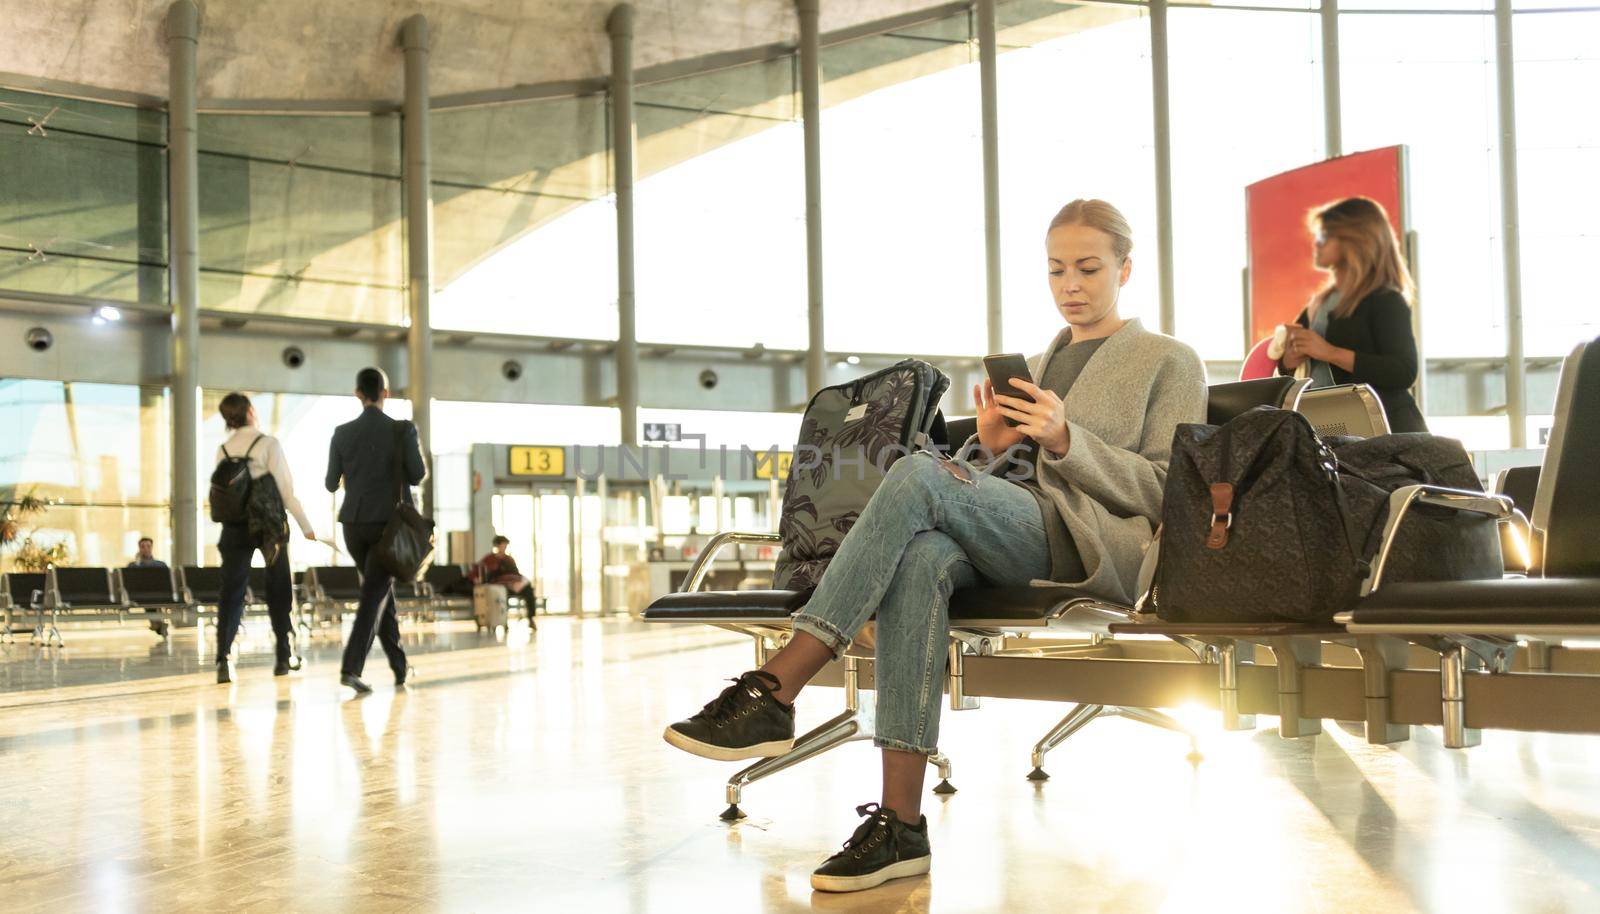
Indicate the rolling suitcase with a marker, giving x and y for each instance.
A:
(490, 606)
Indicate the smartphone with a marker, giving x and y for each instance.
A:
(1002, 368)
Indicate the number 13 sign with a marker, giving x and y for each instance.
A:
(538, 460)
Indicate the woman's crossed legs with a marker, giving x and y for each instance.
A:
(924, 534)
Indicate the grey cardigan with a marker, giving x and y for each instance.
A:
(1121, 415)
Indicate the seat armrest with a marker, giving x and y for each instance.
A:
(702, 563)
(1496, 507)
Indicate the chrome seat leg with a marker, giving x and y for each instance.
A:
(1167, 722)
(1076, 719)
(846, 727)
(942, 762)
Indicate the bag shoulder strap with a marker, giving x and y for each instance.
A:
(399, 469)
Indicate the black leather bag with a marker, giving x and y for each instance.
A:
(406, 548)
(1265, 521)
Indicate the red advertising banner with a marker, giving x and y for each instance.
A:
(1282, 278)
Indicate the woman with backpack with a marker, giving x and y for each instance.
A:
(1095, 433)
(250, 490)
(1357, 330)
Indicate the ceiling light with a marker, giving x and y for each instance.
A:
(106, 313)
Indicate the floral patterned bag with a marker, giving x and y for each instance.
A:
(850, 436)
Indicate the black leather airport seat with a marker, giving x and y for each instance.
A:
(203, 584)
(336, 583)
(24, 588)
(1225, 401)
(85, 588)
(1511, 606)
(1474, 623)
(444, 580)
(1241, 630)
(256, 585)
(1521, 485)
(150, 588)
(714, 606)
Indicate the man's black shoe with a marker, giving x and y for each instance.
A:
(285, 665)
(882, 848)
(353, 681)
(745, 721)
(404, 676)
(224, 671)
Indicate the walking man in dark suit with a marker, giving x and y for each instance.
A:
(362, 454)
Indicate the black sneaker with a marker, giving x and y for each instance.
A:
(745, 721)
(882, 848)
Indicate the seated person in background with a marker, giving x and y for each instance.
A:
(146, 557)
(498, 567)
(1357, 330)
(1096, 430)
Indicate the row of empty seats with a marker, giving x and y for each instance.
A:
(1464, 655)
(189, 595)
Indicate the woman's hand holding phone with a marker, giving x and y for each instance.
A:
(993, 432)
(1043, 418)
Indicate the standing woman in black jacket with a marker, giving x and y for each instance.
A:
(1357, 330)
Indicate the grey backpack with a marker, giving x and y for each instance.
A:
(1264, 521)
(850, 436)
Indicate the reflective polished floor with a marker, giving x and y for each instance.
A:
(529, 775)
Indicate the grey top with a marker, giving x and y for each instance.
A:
(1322, 372)
(1121, 414)
(1059, 377)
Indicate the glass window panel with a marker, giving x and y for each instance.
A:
(1044, 162)
(1390, 5)
(98, 536)
(1246, 94)
(366, 144)
(53, 113)
(524, 238)
(552, 146)
(1558, 158)
(301, 240)
(83, 193)
(902, 197)
(458, 425)
(560, 279)
(764, 89)
(501, 171)
(104, 443)
(1393, 67)
(721, 233)
(100, 452)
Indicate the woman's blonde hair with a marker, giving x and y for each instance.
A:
(1098, 214)
(1368, 250)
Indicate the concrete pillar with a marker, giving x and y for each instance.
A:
(620, 25)
(811, 119)
(1332, 113)
(1163, 140)
(987, 51)
(183, 207)
(417, 178)
(1510, 237)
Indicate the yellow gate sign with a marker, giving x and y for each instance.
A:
(538, 460)
(764, 464)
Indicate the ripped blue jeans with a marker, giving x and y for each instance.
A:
(923, 535)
